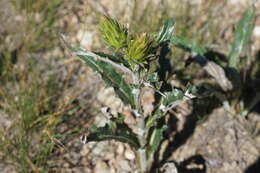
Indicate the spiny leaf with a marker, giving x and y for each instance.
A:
(115, 58)
(153, 79)
(187, 45)
(156, 138)
(169, 98)
(242, 35)
(166, 31)
(111, 78)
(175, 95)
(118, 131)
(151, 120)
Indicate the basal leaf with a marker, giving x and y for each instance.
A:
(118, 131)
(166, 31)
(242, 35)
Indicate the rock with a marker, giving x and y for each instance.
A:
(147, 100)
(109, 155)
(120, 149)
(85, 38)
(99, 149)
(129, 117)
(112, 170)
(256, 31)
(129, 154)
(84, 151)
(222, 142)
(100, 120)
(74, 157)
(101, 167)
(5, 121)
(124, 165)
(107, 97)
(169, 168)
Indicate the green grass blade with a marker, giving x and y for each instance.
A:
(242, 35)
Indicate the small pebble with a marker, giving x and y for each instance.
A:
(129, 154)
(124, 165)
(85, 150)
(256, 31)
(101, 167)
(120, 149)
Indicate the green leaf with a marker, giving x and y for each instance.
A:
(115, 129)
(151, 120)
(166, 31)
(191, 89)
(173, 98)
(155, 139)
(242, 35)
(170, 97)
(110, 77)
(115, 58)
(121, 118)
(188, 45)
(154, 80)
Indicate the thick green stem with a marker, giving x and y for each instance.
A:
(141, 152)
(142, 139)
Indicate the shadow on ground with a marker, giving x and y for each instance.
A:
(196, 163)
(255, 167)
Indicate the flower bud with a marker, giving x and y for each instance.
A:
(139, 48)
(114, 34)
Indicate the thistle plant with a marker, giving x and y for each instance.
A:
(143, 58)
(140, 57)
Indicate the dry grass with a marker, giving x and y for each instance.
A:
(33, 100)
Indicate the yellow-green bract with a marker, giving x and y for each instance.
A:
(139, 48)
(114, 34)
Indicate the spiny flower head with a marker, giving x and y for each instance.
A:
(114, 34)
(139, 48)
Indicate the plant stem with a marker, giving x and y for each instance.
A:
(141, 152)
